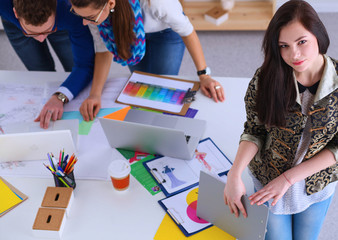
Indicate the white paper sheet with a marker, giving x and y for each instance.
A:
(24, 102)
(110, 92)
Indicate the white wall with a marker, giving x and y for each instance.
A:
(318, 5)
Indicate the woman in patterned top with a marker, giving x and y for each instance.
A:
(290, 138)
(145, 35)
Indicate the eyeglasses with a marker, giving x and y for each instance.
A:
(54, 29)
(89, 19)
(38, 34)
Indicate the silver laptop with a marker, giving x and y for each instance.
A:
(155, 133)
(27, 141)
(211, 207)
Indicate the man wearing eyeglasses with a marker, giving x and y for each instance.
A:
(28, 23)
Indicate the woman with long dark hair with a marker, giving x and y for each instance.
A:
(290, 138)
(145, 35)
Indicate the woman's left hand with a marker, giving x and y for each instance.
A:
(273, 190)
(211, 88)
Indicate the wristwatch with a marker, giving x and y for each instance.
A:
(63, 98)
(205, 71)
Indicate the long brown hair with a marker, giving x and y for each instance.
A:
(276, 94)
(122, 20)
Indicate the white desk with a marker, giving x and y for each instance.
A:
(100, 212)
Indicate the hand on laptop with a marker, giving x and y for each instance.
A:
(90, 107)
(233, 191)
(273, 190)
(52, 110)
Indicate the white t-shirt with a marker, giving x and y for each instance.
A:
(157, 16)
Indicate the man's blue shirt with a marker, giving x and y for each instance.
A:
(81, 42)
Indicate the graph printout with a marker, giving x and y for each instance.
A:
(155, 92)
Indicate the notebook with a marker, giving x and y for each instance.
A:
(155, 133)
(27, 141)
(211, 207)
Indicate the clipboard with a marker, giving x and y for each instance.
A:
(180, 208)
(21, 195)
(160, 93)
(177, 175)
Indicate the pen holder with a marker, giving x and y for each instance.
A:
(67, 179)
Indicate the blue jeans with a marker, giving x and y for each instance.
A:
(305, 225)
(164, 53)
(36, 55)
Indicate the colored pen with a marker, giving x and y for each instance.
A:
(72, 157)
(63, 153)
(51, 161)
(71, 166)
(70, 170)
(54, 161)
(62, 180)
(65, 161)
(67, 166)
(60, 158)
(53, 172)
(49, 168)
(67, 179)
(60, 169)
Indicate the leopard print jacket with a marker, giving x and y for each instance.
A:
(278, 145)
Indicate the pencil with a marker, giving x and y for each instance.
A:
(71, 166)
(63, 153)
(60, 163)
(54, 161)
(51, 161)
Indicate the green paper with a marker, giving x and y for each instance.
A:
(140, 173)
(126, 153)
(84, 127)
(144, 177)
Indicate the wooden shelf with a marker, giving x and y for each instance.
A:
(251, 15)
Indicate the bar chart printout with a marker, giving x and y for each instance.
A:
(156, 92)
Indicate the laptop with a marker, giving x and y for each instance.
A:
(211, 207)
(155, 133)
(27, 141)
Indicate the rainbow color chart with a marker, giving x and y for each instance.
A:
(154, 92)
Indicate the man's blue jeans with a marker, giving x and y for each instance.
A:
(305, 225)
(36, 55)
(164, 53)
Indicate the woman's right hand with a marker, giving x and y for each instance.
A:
(90, 107)
(233, 192)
